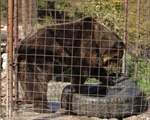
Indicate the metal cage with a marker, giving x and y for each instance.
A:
(86, 57)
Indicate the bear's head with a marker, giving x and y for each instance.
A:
(111, 56)
(110, 46)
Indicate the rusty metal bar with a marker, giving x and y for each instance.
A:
(137, 38)
(125, 35)
(9, 57)
(0, 14)
(16, 38)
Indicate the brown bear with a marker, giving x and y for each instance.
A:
(85, 46)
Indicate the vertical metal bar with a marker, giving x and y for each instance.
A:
(125, 35)
(30, 13)
(0, 14)
(0, 65)
(15, 49)
(24, 17)
(9, 57)
(137, 38)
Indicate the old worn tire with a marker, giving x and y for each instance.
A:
(123, 99)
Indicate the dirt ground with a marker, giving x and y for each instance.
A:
(61, 115)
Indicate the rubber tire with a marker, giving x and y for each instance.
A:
(123, 99)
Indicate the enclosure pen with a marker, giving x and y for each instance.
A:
(75, 59)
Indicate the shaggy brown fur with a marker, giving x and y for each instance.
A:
(85, 46)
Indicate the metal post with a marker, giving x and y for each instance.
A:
(137, 39)
(9, 57)
(15, 49)
(125, 36)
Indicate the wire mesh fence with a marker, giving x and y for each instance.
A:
(75, 58)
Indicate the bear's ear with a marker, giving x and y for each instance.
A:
(88, 23)
(88, 19)
(119, 45)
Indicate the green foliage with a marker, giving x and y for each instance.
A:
(143, 78)
(110, 13)
(144, 75)
(92, 80)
